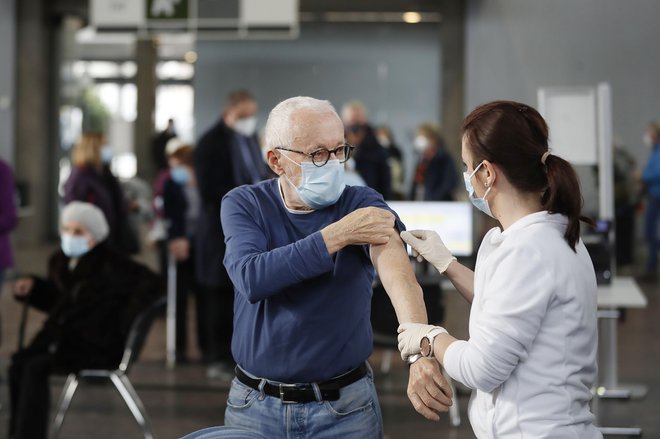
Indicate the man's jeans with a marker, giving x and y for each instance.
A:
(356, 414)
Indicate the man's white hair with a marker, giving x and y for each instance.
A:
(278, 131)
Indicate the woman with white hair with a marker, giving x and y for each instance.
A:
(91, 295)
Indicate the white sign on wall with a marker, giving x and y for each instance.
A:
(114, 13)
(148, 14)
(580, 123)
(269, 12)
(572, 118)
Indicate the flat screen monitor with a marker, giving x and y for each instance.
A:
(451, 219)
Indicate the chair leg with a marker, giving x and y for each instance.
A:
(134, 403)
(454, 412)
(386, 362)
(68, 391)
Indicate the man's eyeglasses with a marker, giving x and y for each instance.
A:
(321, 156)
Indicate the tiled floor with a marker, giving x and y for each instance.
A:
(183, 400)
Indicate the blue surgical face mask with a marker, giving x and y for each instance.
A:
(74, 246)
(106, 154)
(179, 174)
(479, 203)
(320, 186)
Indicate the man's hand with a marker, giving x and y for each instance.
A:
(180, 248)
(368, 225)
(428, 390)
(23, 286)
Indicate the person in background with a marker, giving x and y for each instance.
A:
(626, 202)
(127, 239)
(227, 155)
(159, 143)
(181, 205)
(91, 294)
(157, 235)
(90, 183)
(371, 159)
(351, 176)
(395, 160)
(302, 252)
(435, 175)
(651, 181)
(8, 217)
(531, 355)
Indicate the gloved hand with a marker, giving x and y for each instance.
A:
(410, 334)
(428, 245)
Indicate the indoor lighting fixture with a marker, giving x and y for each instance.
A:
(412, 17)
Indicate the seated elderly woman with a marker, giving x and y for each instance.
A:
(91, 294)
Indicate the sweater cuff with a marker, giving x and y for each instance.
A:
(327, 261)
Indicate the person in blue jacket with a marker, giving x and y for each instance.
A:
(651, 180)
(302, 252)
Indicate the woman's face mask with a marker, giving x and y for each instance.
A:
(421, 143)
(319, 186)
(106, 154)
(179, 174)
(74, 246)
(479, 203)
(648, 141)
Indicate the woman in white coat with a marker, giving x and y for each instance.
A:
(531, 355)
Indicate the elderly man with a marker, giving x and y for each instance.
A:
(301, 253)
(91, 294)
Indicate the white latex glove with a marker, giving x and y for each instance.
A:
(410, 335)
(428, 245)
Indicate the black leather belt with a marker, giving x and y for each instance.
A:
(302, 393)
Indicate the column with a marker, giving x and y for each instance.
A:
(146, 57)
(452, 59)
(7, 78)
(32, 155)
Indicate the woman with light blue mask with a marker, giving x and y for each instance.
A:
(531, 355)
(83, 227)
(90, 294)
(181, 210)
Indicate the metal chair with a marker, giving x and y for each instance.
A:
(134, 342)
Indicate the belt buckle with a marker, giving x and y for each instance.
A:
(282, 399)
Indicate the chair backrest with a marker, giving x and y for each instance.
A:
(139, 331)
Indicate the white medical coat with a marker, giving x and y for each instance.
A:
(531, 355)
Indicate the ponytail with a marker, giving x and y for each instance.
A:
(515, 136)
(563, 196)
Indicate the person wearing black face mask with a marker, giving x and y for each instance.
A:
(226, 156)
(371, 159)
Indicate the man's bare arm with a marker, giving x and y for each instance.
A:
(396, 274)
(427, 388)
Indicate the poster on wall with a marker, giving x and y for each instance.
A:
(571, 114)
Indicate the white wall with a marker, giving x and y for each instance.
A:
(516, 46)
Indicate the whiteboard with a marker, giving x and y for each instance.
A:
(572, 119)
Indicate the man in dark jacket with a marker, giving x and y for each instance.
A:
(227, 155)
(92, 295)
(371, 159)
